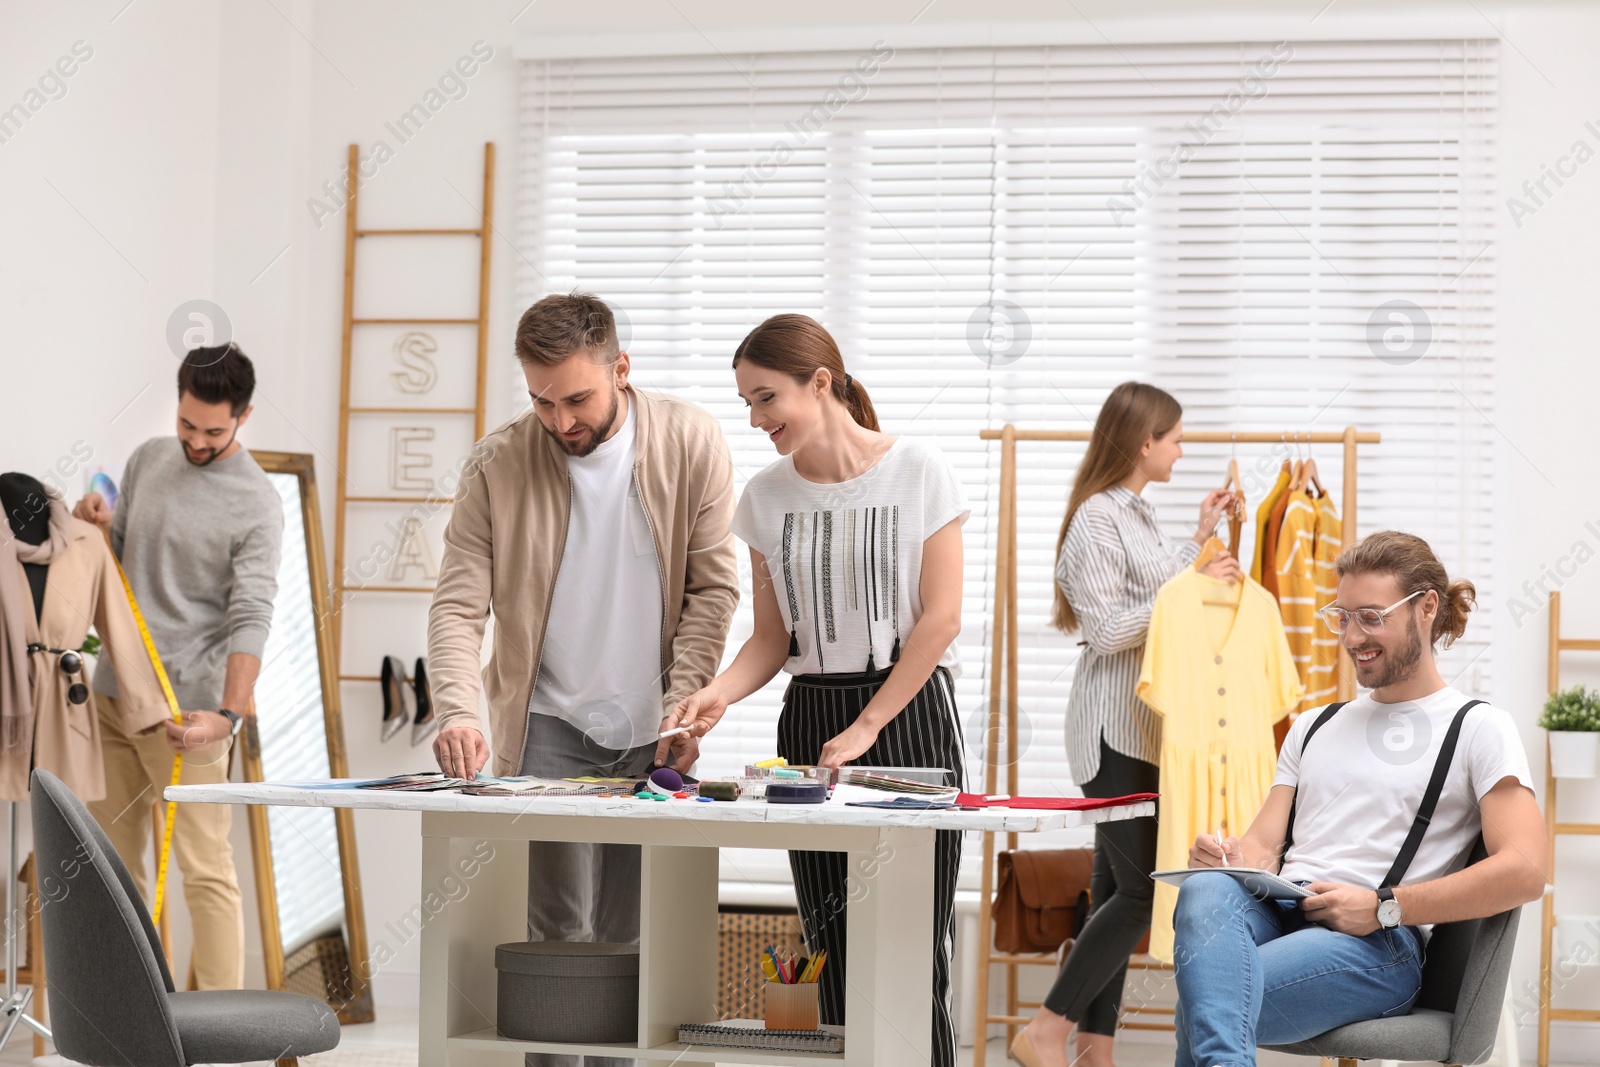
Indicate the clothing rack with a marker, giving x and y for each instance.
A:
(1553, 830)
(1003, 685)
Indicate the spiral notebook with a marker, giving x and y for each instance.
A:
(753, 1033)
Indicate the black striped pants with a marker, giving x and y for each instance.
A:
(816, 707)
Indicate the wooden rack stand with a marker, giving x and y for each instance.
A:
(1003, 693)
(483, 232)
(1553, 830)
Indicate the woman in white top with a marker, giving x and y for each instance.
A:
(1112, 557)
(855, 546)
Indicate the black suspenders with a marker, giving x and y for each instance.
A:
(1430, 797)
(1327, 713)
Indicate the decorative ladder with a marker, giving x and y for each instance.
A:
(1553, 830)
(342, 589)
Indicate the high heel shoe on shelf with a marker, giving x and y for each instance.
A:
(396, 697)
(1023, 1052)
(424, 724)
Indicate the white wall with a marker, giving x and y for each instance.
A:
(1548, 374)
(179, 162)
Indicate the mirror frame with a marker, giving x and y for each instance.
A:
(359, 1007)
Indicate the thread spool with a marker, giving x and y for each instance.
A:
(720, 790)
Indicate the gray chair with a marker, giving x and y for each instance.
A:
(1456, 1015)
(112, 1001)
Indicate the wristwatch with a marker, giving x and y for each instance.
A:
(234, 721)
(1388, 909)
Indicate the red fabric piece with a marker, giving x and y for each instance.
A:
(977, 800)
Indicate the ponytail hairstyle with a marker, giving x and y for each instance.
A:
(797, 345)
(1414, 566)
(1131, 415)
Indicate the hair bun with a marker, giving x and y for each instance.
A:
(1460, 597)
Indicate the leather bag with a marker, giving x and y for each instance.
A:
(1042, 899)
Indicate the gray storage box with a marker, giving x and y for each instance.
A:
(571, 991)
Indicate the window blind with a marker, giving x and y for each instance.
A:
(1287, 236)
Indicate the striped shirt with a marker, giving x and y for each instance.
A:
(1322, 686)
(1297, 586)
(1113, 561)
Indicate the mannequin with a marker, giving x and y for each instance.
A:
(28, 511)
(28, 515)
(27, 508)
(61, 568)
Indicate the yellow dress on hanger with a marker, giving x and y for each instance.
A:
(1263, 513)
(1219, 675)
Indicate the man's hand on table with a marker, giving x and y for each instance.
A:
(698, 713)
(678, 751)
(461, 751)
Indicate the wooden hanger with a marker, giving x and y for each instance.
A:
(1306, 472)
(1310, 477)
(1297, 472)
(1235, 512)
(1227, 596)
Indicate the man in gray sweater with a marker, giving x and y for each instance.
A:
(198, 528)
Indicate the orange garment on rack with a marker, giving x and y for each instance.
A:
(1219, 675)
(1269, 544)
(1264, 517)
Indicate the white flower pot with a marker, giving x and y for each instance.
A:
(1574, 753)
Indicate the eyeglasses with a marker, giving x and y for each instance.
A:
(71, 663)
(1369, 619)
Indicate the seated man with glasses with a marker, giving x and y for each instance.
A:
(1376, 807)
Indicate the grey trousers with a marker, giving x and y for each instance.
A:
(579, 891)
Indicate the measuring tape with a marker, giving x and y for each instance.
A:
(165, 855)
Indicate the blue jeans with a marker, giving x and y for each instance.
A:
(1255, 972)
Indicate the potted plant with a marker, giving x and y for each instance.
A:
(1573, 718)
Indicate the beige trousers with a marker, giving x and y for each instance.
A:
(137, 770)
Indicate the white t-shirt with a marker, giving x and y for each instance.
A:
(846, 557)
(1365, 773)
(601, 667)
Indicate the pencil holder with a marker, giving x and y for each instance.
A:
(792, 1007)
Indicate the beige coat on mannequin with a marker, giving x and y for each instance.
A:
(83, 588)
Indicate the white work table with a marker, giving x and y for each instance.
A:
(889, 907)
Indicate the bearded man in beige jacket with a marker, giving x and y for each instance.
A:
(595, 528)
